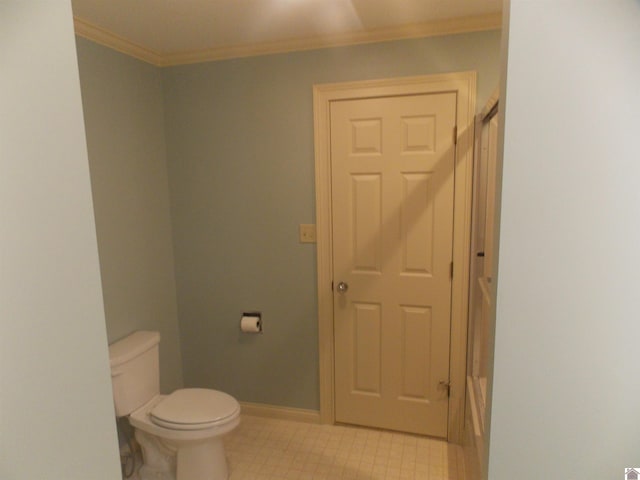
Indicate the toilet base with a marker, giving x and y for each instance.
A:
(181, 460)
(202, 461)
(158, 460)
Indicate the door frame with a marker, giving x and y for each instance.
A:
(464, 84)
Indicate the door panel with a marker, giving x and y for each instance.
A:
(366, 192)
(367, 365)
(415, 352)
(392, 162)
(417, 224)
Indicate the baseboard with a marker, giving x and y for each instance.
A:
(282, 413)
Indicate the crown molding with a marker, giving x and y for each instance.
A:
(418, 30)
(102, 36)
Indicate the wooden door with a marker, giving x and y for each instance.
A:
(392, 179)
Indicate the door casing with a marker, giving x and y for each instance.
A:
(464, 84)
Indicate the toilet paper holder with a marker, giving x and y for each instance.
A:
(251, 322)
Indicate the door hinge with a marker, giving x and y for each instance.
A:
(451, 270)
(455, 134)
(442, 384)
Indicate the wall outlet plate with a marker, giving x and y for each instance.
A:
(307, 233)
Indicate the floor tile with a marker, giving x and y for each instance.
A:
(267, 449)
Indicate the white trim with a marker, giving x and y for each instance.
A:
(281, 413)
(464, 84)
(492, 103)
(453, 26)
(104, 37)
(417, 30)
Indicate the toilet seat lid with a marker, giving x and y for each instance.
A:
(194, 408)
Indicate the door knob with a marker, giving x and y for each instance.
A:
(342, 287)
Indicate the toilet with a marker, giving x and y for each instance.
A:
(180, 433)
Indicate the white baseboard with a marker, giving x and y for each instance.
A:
(282, 413)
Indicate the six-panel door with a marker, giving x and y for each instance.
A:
(392, 162)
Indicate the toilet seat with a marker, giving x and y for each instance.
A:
(194, 409)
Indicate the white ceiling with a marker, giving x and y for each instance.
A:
(168, 27)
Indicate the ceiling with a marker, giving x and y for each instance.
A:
(175, 31)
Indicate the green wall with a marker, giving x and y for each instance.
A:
(123, 110)
(239, 137)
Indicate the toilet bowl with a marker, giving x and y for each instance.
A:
(180, 433)
(189, 424)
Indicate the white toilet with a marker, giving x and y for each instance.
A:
(181, 433)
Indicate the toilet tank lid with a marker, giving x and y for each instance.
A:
(131, 346)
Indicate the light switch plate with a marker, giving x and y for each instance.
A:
(307, 233)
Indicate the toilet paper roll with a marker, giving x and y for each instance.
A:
(251, 324)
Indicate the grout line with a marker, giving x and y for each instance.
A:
(269, 449)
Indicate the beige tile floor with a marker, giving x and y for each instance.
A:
(270, 449)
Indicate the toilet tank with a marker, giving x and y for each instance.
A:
(135, 370)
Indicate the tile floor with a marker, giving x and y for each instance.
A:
(270, 449)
